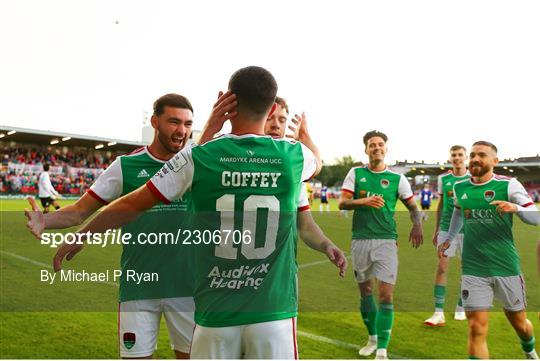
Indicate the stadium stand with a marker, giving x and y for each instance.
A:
(75, 160)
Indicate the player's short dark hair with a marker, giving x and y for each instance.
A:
(255, 90)
(457, 147)
(282, 103)
(486, 143)
(46, 167)
(171, 100)
(374, 133)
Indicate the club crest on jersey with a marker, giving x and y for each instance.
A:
(362, 194)
(489, 195)
(129, 340)
(385, 183)
(450, 193)
(467, 213)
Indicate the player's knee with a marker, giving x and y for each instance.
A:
(477, 328)
(386, 296)
(366, 289)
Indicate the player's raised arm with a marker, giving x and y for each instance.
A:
(416, 236)
(301, 133)
(224, 109)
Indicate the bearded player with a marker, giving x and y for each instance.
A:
(484, 208)
(141, 306)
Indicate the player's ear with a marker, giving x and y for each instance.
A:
(495, 161)
(154, 122)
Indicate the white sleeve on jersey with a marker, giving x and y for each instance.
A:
(109, 184)
(310, 163)
(404, 189)
(439, 185)
(517, 193)
(527, 211)
(456, 224)
(303, 201)
(348, 183)
(175, 178)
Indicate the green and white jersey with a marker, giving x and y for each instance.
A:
(123, 176)
(246, 188)
(445, 187)
(488, 243)
(368, 222)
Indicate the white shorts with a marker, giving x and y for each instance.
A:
(375, 258)
(456, 246)
(477, 292)
(264, 340)
(138, 325)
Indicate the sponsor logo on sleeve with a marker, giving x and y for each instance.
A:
(177, 162)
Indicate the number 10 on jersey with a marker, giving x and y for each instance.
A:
(225, 205)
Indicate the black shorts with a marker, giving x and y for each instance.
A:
(324, 200)
(47, 201)
(425, 206)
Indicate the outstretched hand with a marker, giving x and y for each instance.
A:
(36, 221)
(337, 257)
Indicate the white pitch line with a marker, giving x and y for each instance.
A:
(41, 264)
(339, 343)
(304, 265)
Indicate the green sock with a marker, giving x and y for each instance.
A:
(527, 346)
(438, 292)
(385, 320)
(460, 301)
(368, 309)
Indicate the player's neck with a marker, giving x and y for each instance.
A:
(241, 126)
(377, 166)
(159, 151)
(484, 178)
(459, 171)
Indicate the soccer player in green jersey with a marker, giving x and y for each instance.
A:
(445, 184)
(244, 185)
(484, 206)
(372, 192)
(141, 306)
(275, 127)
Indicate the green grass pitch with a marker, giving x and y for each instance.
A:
(39, 321)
